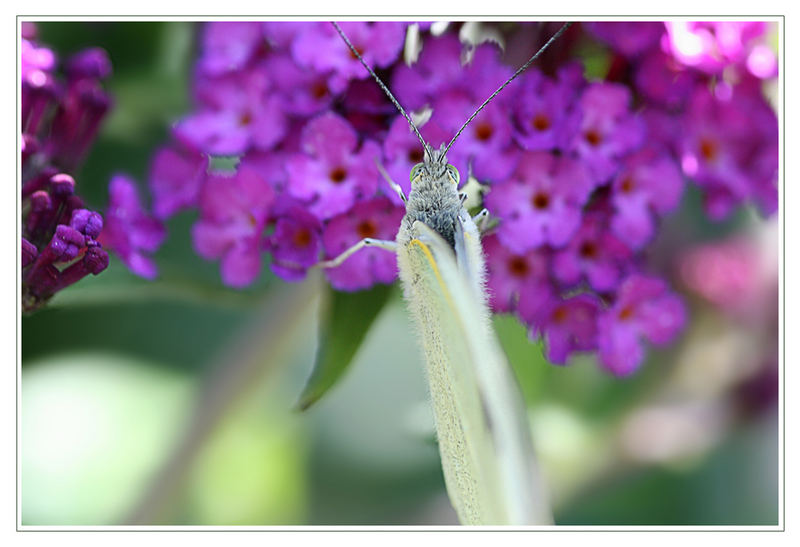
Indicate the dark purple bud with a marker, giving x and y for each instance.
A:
(95, 260)
(87, 222)
(62, 185)
(38, 181)
(28, 147)
(89, 63)
(38, 219)
(66, 243)
(39, 92)
(77, 121)
(40, 201)
(29, 252)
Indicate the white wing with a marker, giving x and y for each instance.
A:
(481, 422)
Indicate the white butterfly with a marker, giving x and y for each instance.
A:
(484, 438)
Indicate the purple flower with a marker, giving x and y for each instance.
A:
(129, 231)
(281, 34)
(437, 69)
(334, 173)
(59, 120)
(511, 275)
(645, 309)
(321, 48)
(712, 46)
(566, 325)
(545, 114)
(541, 202)
(595, 254)
(630, 38)
(729, 147)
(378, 218)
(92, 63)
(662, 80)
(486, 144)
(228, 46)
(303, 92)
(608, 130)
(237, 113)
(296, 242)
(175, 178)
(648, 185)
(76, 122)
(233, 214)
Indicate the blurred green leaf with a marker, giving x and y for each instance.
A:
(344, 323)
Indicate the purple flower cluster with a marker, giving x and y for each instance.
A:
(60, 118)
(293, 105)
(578, 173)
(62, 240)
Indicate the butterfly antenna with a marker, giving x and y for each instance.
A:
(383, 87)
(519, 71)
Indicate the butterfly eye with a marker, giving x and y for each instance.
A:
(453, 172)
(415, 171)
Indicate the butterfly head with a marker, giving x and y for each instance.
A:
(434, 167)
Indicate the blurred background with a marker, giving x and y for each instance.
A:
(174, 401)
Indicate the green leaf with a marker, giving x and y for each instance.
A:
(344, 322)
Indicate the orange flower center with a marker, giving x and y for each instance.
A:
(302, 238)
(518, 266)
(541, 201)
(540, 122)
(367, 228)
(338, 175)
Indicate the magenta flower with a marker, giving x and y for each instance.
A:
(567, 325)
(486, 145)
(645, 309)
(608, 129)
(438, 68)
(632, 39)
(333, 173)
(378, 218)
(541, 202)
(712, 46)
(321, 48)
(594, 254)
(175, 178)
(233, 214)
(296, 242)
(545, 116)
(228, 46)
(303, 92)
(648, 186)
(729, 147)
(664, 81)
(237, 113)
(511, 275)
(129, 230)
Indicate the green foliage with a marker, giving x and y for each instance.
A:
(344, 323)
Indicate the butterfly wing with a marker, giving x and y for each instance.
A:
(481, 422)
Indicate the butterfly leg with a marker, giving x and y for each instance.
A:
(384, 244)
(393, 184)
(481, 220)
